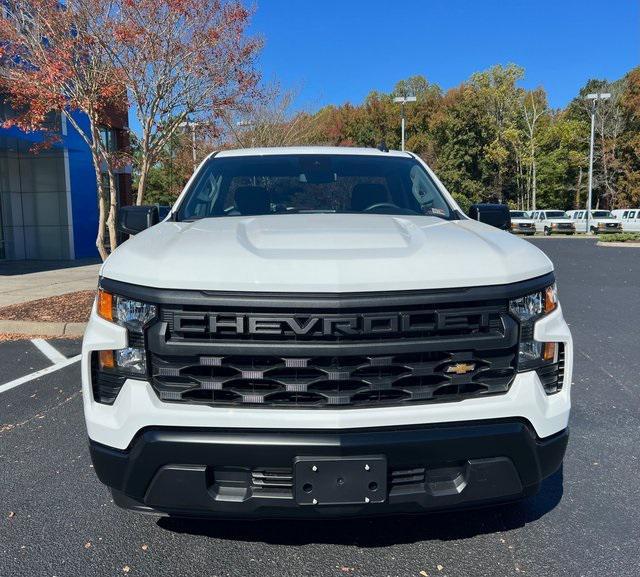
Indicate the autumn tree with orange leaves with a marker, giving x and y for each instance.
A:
(172, 61)
(181, 61)
(49, 62)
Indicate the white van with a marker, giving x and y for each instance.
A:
(629, 218)
(599, 221)
(521, 223)
(553, 222)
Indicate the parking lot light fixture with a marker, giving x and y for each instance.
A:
(403, 100)
(594, 98)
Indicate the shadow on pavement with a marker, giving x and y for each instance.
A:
(382, 531)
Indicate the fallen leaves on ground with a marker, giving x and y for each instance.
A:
(68, 308)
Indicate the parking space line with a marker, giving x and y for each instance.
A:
(40, 373)
(49, 351)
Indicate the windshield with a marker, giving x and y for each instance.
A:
(304, 183)
(602, 214)
(556, 214)
(518, 214)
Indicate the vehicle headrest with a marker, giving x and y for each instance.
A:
(252, 200)
(367, 194)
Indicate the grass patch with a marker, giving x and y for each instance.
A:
(620, 237)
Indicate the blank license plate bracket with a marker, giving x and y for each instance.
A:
(340, 480)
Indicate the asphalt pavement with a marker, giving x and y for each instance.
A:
(56, 519)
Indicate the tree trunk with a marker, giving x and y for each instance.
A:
(534, 183)
(112, 219)
(144, 170)
(102, 199)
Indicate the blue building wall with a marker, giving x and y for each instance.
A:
(52, 202)
(84, 202)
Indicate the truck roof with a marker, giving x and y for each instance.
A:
(310, 150)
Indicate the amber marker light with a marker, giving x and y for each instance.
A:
(549, 351)
(105, 305)
(550, 299)
(106, 359)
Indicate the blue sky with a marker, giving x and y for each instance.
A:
(337, 51)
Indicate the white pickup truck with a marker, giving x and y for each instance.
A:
(321, 332)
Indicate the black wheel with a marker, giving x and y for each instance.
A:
(547, 231)
(594, 230)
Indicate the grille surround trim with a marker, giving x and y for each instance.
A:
(381, 381)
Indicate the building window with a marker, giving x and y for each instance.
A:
(108, 138)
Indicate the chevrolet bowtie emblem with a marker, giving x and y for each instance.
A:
(460, 368)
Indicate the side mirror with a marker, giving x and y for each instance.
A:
(493, 214)
(135, 219)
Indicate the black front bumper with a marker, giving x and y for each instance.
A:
(248, 473)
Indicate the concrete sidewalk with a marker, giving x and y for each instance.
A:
(22, 281)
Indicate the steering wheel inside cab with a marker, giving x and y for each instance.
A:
(388, 208)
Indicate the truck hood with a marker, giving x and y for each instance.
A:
(324, 253)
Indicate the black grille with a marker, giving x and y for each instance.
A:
(565, 225)
(272, 480)
(315, 351)
(333, 381)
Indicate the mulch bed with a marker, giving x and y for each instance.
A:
(69, 308)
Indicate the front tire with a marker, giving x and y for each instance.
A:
(594, 230)
(547, 231)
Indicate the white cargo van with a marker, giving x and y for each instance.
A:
(629, 218)
(553, 222)
(600, 221)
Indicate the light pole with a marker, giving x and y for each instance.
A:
(403, 100)
(193, 126)
(594, 97)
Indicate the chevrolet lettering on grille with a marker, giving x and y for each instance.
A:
(326, 325)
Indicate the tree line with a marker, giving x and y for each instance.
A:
(490, 140)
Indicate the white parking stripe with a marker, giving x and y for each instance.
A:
(48, 351)
(40, 373)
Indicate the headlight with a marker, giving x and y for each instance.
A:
(132, 314)
(114, 366)
(527, 310)
(534, 305)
